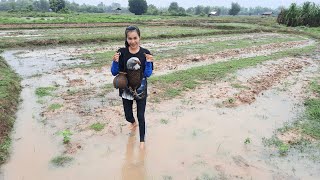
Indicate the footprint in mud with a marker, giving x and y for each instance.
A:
(240, 161)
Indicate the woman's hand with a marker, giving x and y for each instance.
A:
(116, 57)
(149, 57)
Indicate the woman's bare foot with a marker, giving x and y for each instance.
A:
(133, 125)
(142, 145)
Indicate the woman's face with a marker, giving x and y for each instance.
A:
(133, 39)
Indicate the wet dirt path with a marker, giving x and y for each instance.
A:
(187, 138)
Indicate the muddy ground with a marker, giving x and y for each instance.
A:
(199, 135)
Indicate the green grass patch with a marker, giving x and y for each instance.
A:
(313, 109)
(247, 141)
(173, 92)
(61, 161)
(99, 59)
(53, 107)
(164, 121)
(44, 91)
(35, 75)
(311, 120)
(9, 99)
(301, 145)
(97, 126)
(4, 149)
(307, 124)
(205, 176)
(108, 87)
(312, 32)
(213, 72)
(66, 134)
(239, 86)
(41, 101)
(315, 86)
(166, 177)
(274, 141)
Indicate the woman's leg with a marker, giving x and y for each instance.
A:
(127, 107)
(141, 107)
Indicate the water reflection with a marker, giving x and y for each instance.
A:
(134, 165)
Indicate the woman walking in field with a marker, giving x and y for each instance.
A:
(137, 63)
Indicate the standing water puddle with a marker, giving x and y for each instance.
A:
(183, 141)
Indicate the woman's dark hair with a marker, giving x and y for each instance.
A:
(130, 29)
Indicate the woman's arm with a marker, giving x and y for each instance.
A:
(148, 69)
(149, 64)
(115, 68)
(117, 63)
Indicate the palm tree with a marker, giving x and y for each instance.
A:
(307, 15)
(292, 17)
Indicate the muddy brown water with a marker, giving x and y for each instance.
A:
(186, 139)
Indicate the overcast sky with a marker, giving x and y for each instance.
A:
(192, 3)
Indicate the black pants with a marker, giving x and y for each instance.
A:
(141, 107)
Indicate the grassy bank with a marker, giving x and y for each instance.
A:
(311, 124)
(9, 99)
(312, 32)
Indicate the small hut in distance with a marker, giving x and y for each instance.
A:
(267, 14)
(213, 13)
(118, 10)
